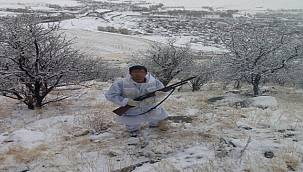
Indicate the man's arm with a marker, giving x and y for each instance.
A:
(159, 85)
(114, 94)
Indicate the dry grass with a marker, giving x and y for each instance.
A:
(2, 159)
(24, 155)
(96, 121)
(291, 156)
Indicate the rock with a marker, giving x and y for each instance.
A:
(133, 141)
(214, 99)
(99, 137)
(19, 168)
(67, 138)
(162, 150)
(8, 140)
(131, 167)
(234, 91)
(264, 102)
(81, 133)
(245, 127)
(113, 153)
(199, 157)
(5, 134)
(230, 99)
(149, 154)
(289, 135)
(268, 154)
(180, 119)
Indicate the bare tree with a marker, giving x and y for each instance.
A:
(258, 51)
(35, 58)
(290, 75)
(204, 72)
(166, 61)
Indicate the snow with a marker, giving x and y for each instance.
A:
(190, 157)
(111, 46)
(184, 147)
(264, 102)
(5, 13)
(35, 3)
(192, 111)
(229, 4)
(182, 41)
(27, 138)
(3, 137)
(92, 24)
(100, 137)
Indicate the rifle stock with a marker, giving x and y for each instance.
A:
(121, 110)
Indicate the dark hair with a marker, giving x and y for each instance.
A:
(137, 67)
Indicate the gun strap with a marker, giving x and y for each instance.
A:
(158, 103)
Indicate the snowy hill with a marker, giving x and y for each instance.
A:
(81, 134)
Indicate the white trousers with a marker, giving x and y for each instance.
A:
(152, 118)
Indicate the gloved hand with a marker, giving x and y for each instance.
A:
(132, 102)
(160, 93)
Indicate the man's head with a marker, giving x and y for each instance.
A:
(138, 73)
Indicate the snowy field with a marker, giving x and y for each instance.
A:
(81, 134)
(210, 130)
(230, 4)
(109, 46)
(35, 3)
(190, 4)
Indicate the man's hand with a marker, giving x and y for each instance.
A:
(160, 93)
(132, 102)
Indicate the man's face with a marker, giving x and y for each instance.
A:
(138, 74)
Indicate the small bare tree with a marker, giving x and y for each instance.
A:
(35, 58)
(203, 71)
(166, 61)
(258, 50)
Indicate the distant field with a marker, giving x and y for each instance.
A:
(191, 4)
(35, 3)
(233, 4)
(107, 45)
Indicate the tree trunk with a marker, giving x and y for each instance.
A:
(237, 84)
(29, 101)
(256, 89)
(38, 97)
(255, 82)
(195, 87)
(39, 102)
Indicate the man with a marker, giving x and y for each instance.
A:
(137, 83)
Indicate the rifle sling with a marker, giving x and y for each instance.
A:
(158, 103)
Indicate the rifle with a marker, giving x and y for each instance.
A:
(121, 110)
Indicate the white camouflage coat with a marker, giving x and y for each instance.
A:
(123, 90)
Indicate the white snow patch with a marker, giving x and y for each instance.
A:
(195, 155)
(28, 138)
(264, 102)
(191, 111)
(27, 3)
(99, 137)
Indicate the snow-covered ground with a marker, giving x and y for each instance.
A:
(91, 24)
(81, 134)
(230, 4)
(35, 3)
(112, 47)
(234, 133)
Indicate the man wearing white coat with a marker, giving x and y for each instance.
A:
(138, 83)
